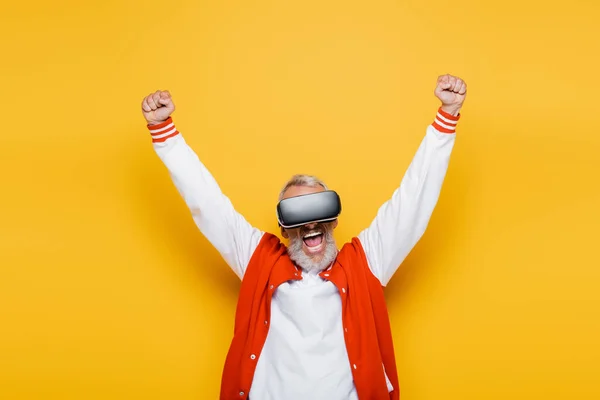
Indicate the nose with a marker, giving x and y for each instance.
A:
(312, 225)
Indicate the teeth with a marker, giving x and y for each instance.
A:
(312, 234)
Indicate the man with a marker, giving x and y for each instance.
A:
(311, 321)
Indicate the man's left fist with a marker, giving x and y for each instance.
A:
(452, 91)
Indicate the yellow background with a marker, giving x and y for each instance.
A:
(107, 289)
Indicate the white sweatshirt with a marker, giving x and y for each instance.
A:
(304, 356)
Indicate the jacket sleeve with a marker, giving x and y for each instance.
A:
(213, 213)
(401, 221)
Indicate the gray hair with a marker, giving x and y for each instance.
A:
(302, 180)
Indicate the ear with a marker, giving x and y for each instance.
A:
(335, 223)
(284, 233)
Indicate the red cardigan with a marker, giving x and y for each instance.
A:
(365, 318)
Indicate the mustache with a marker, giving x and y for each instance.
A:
(317, 229)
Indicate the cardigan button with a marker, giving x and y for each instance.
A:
(343, 290)
(242, 393)
(271, 287)
(252, 357)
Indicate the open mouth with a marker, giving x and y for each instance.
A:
(313, 240)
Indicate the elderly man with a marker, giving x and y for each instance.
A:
(311, 321)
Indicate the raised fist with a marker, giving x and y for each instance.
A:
(452, 91)
(157, 107)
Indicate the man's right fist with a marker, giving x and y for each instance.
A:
(157, 107)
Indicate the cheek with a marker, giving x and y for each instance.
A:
(293, 235)
(289, 233)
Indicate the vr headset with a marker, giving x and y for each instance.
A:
(309, 208)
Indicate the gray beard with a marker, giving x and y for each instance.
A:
(309, 263)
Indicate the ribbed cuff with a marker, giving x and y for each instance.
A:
(163, 131)
(445, 122)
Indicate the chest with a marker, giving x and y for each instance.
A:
(309, 305)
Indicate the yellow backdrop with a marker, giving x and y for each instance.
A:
(108, 291)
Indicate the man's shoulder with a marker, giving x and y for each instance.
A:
(269, 244)
(353, 259)
(352, 251)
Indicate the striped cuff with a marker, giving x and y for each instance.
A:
(445, 122)
(163, 131)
